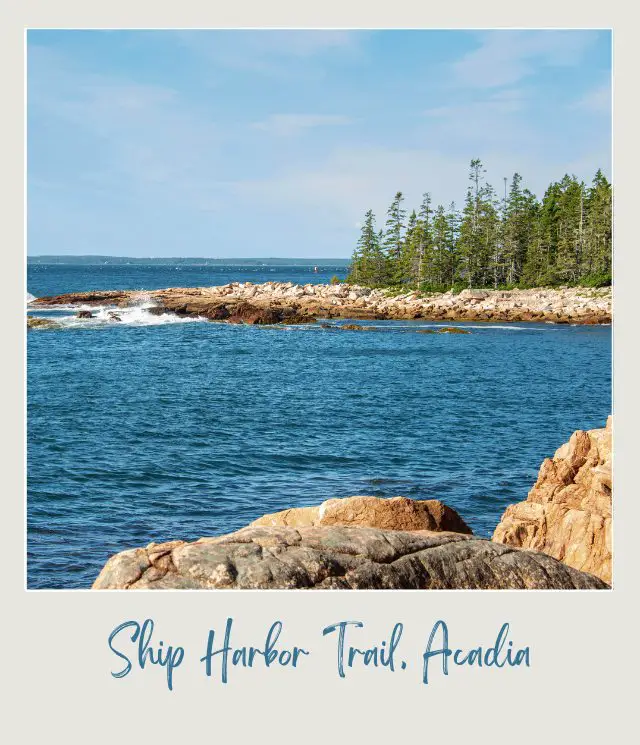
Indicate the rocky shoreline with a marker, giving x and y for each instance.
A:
(274, 302)
(559, 539)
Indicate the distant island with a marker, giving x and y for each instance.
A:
(185, 260)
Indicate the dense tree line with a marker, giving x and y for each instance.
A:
(513, 241)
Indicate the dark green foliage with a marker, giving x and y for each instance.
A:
(516, 241)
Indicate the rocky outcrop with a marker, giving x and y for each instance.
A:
(354, 327)
(397, 513)
(567, 514)
(338, 557)
(256, 315)
(33, 322)
(453, 330)
(289, 303)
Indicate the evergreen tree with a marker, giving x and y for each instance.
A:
(361, 261)
(470, 244)
(517, 241)
(453, 221)
(540, 264)
(489, 236)
(570, 227)
(393, 237)
(442, 245)
(405, 271)
(597, 257)
(520, 215)
(425, 268)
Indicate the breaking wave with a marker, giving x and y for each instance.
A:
(109, 315)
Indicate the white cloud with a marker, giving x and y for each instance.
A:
(597, 100)
(266, 51)
(506, 57)
(285, 125)
(350, 181)
(301, 43)
(506, 101)
(156, 153)
(145, 137)
(493, 119)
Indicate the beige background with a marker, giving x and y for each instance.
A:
(57, 684)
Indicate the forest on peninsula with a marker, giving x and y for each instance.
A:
(516, 240)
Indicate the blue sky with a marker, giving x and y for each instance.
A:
(275, 143)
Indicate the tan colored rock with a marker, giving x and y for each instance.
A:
(397, 513)
(274, 299)
(33, 322)
(337, 557)
(568, 511)
(453, 330)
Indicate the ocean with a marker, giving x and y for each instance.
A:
(161, 428)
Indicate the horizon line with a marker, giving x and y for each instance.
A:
(167, 258)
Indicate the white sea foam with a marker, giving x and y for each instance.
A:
(137, 315)
(505, 328)
(418, 326)
(30, 298)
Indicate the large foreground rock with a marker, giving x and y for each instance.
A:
(397, 513)
(568, 512)
(338, 558)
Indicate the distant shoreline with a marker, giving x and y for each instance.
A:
(98, 260)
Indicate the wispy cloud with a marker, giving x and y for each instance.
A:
(597, 100)
(172, 138)
(286, 125)
(144, 136)
(500, 102)
(268, 52)
(350, 181)
(497, 117)
(506, 57)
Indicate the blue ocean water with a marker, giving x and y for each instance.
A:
(152, 430)
(54, 279)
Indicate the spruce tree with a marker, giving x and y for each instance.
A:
(597, 260)
(570, 226)
(426, 268)
(518, 241)
(363, 262)
(393, 237)
(405, 271)
(470, 229)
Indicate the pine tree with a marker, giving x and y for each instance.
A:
(570, 225)
(489, 235)
(517, 241)
(393, 237)
(425, 269)
(470, 241)
(442, 249)
(597, 259)
(540, 265)
(367, 263)
(520, 215)
(405, 271)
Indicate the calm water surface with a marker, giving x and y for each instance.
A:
(155, 429)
